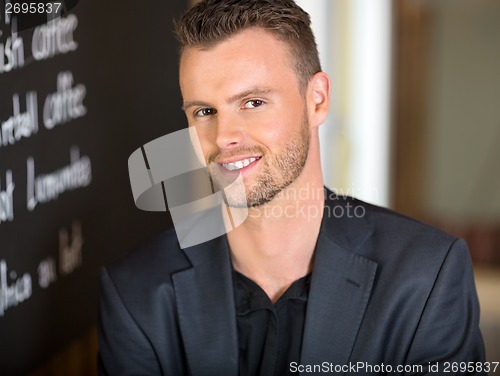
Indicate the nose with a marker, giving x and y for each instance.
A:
(230, 132)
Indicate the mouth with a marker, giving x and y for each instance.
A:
(237, 165)
(240, 164)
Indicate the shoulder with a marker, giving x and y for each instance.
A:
(149, 265)
(137, 317)
(399, 227)
(386, 237)
(422, 300)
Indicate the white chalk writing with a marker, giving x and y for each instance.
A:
(17, 292)
(66, 104)
(7, 199)
(48, 187)
(11, 53)
(20, 125)
(54, 38)
(47, 273)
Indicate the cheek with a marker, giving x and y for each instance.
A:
(205, 141)
(276, 129)
(209, 150)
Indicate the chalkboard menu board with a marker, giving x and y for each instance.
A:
(79, 92)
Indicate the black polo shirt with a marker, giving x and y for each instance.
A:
(270, 335)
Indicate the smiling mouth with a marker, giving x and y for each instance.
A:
(238, 165)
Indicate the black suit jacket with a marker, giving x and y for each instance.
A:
(385, 289)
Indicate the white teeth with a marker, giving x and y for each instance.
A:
(239, 164)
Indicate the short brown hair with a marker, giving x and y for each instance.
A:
(212, 21)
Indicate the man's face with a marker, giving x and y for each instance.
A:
(244, 100)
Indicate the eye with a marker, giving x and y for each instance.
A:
(203, 112)
(253, 103)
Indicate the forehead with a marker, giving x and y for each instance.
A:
(253, 56)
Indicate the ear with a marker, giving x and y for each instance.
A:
(318, 98)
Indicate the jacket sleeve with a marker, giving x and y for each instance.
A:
(447, 340)
(123, 347)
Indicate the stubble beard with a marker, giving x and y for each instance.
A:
(278, 172)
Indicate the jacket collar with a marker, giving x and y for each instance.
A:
(339, 292)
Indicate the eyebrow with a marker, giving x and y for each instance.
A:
(250, 92)
(187, 105)
(237, 97)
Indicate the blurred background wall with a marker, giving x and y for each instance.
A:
(414, 123)
(447, 126)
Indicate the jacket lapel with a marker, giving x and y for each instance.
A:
(205, 304)
(339, 292)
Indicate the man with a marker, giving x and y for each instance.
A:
(310, 281)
